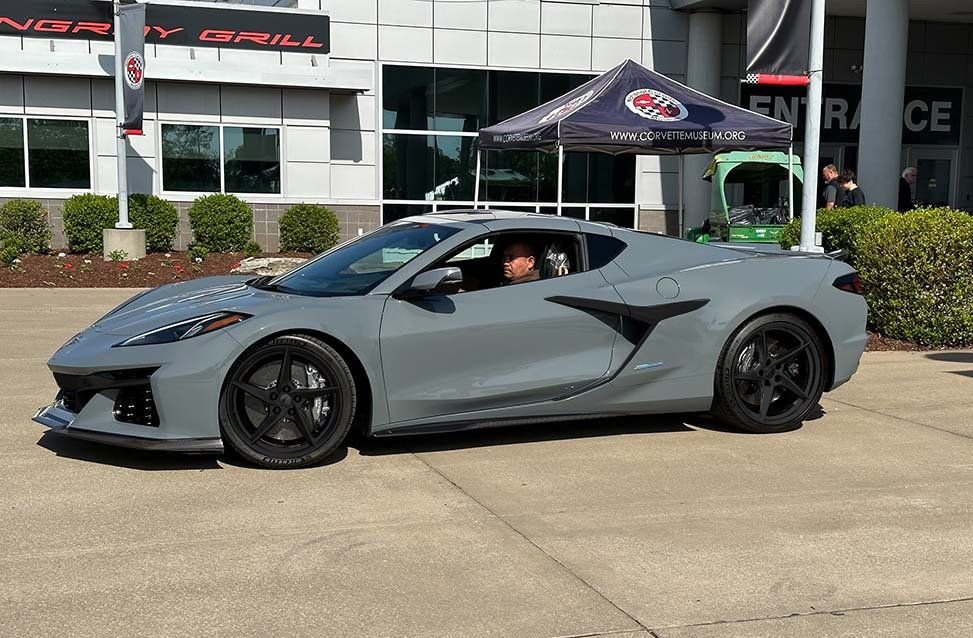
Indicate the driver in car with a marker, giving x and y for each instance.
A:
(519, 263)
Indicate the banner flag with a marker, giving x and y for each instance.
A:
(778, 41)
(130, 44)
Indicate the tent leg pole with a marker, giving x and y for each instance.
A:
(790, 181)
(476, 181)
(560, 177)
(682, 159)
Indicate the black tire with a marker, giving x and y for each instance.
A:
(295, 420)
(770, 375)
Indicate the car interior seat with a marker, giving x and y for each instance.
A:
(555, 262)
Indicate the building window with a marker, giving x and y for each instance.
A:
(58, 154)
(252, 162)
(12, 170)
(430, 121)
(192, 157)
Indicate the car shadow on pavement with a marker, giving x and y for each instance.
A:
(92, 452)
(513, 435)
(951, 357)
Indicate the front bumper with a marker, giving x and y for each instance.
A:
(59, 419)
(158, 397)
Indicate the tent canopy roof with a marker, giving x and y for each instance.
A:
(632, 109)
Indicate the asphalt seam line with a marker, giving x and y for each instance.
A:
(540, 549)
(822, 612)
(898, 418)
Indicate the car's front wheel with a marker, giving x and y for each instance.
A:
(770, 375)
(288, 403)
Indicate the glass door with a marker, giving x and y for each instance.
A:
(935, 178)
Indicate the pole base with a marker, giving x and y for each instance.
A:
(808, 249)
(129, 241)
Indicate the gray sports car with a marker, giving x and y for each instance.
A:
(463, 320)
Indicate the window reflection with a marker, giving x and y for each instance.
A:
(252, 158)
(12, 152)
(190, 158)
(58, 154)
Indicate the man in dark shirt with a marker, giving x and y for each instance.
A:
(905, 189)
(854, 196)
(833, 194)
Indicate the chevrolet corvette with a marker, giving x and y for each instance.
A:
(462, 320)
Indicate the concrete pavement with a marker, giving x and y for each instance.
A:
(858, 524)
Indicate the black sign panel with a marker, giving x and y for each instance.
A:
(931, 115)
(201, 26)
(778, 33)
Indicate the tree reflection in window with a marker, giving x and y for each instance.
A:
(190, 158)
(252, 160)
(12, 152)
(58, 155)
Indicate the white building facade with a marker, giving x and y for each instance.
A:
(382, 123)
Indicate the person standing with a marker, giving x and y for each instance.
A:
(854, 195)
(906, 182)
(833, 193)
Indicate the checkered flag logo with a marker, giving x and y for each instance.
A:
(134, 70)
(655, 105)
(752, 78)
(568, 107)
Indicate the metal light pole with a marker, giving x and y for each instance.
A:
(120, 145)
(812, 137)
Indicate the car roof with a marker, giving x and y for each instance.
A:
(482, 216)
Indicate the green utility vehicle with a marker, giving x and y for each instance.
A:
(750, 197)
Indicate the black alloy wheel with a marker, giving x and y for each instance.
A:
(770, 375)
(289, 403)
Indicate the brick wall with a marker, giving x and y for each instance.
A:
(266, 232)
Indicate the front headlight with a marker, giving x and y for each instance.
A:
(185, 329)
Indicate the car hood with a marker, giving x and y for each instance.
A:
(185, 300)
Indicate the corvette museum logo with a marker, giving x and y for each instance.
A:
(568, 107)
(655, 105)
(134, 70)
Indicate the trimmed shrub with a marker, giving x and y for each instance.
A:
(85, 216)
(157, 217)
(11, 247)
(252, 249)
(918, 276)
(221, 223)
(839, 227)
(308, 228)
(26, 220)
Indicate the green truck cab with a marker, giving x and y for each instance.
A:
(749, 203)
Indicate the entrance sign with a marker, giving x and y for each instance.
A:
(931, 115)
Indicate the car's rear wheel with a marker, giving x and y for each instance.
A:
(288, 403)
(770, 375)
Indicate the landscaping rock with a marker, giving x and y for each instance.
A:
(267, 265)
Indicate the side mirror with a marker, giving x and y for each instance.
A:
(441, 281)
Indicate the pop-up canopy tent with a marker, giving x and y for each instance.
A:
(631, 109)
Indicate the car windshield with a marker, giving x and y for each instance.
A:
(358, 266)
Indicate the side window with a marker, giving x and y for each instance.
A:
(514, 258)
(602, 249)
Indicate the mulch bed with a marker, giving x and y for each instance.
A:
(878, 343)
(92, 271)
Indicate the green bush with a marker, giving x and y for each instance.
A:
(221, 223)
(85, 216)
(157, 217)
(308, 228)
(252, 249)
(918, 276)
(11, 247)
(840, 228)
(26, 220)
(198, 251)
